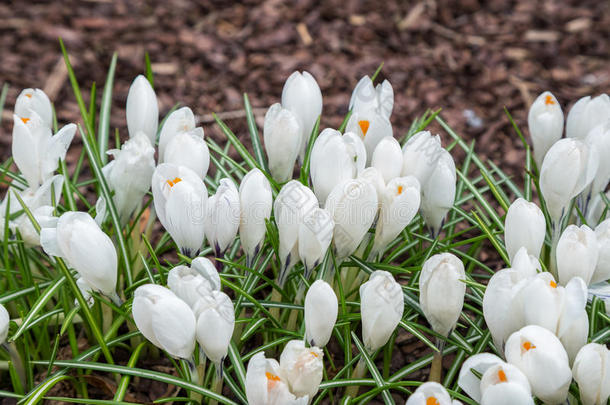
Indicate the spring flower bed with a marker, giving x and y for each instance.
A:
(287, 269)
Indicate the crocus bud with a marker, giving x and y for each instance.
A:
(222, 219)
(371, 126)
(165, 320)
(568, 167)
(35, 150)
(420, 155)
(34, 100)
(215, 324)
(573, 327)
(188, 149)
(142, 109)
(189, 284)
(315, 235)
(599, 140)
(381, 308)
(321, 308)
(302, 367)
(367, 97)
(266, 385)
(206, 269)
(602, 269)
(86, 248)
(353, 206)
(539, 354)
(130, 173)
(282, 133)
(586, 114)
(387, 157)
(373, 176)
(592, 373)
(431, 393)
(4, 323)
(577, 253)
(293, 202)
(441, 291)
(301, 95)
(399, 204)
(438, 193)
(255, 200)
(180, 199)
(335, 158)
(545, 122)
(528, 265)
(180, 121)
(505, 384)
(524, 227)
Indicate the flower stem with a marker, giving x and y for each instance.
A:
(217, 384)
(359, 372)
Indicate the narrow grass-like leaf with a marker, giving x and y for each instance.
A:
(103, 130)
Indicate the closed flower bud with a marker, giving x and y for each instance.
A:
(438, 193)
(387, 157)
(222, 219)
(335, 158)
(188, 149)
(321, 308)
(374, 177)
(540, 355)
(282, 134)
(381, 309)
(586, 114)
(431, 393)
(315, 235)
(180, 199)
(256, 202)
(399, 204)
(441, 291)
(545, 122)
(592, 373)
(215, 323)
(180, 121)
(301, 95)
(577, 253)
(599, 139)
(602, 269)
(266, 385)
(165, 320)
(524, 226)
(4, 323)
(34, 100)
(302, 367)
(353, 206)
(191, 283)
(370, 126)
(78, 239)
(142, 109)
(367, 97)
(420, 155)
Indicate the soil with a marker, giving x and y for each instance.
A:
(471, 58)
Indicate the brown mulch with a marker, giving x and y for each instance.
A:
(469, 57)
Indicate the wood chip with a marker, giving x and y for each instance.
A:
(579, 24)
(56, 79)
(304, 34)
(542, 36)
(357, 20)
(412, 17)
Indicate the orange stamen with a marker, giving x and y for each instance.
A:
(548, 100)
(25, 120)
(314, 354)
(28, 95)
(502, 376)
(553, 284)
(527, 345)
(400, 188)
(364, 126)
(432, 401)
(172, 183)
(272, 379)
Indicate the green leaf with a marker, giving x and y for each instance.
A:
(103, 130)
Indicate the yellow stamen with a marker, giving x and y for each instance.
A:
(25, 120)
(272, 379)
(432, 401)
(553, 284)
(527, 345)
(502, 376)
(172, 183)
(400, 188)
(28, 95)
(314, 354)
(364, 126)
(548, 100)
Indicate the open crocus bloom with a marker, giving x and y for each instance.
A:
(431, 393)
(302, 366)
(192, 283)
(592, 373)
(190, 150)
(586, 114)
(371, 126)
(266, 385)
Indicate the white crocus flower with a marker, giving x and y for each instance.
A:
(399, 204)
(36, 150)
(373, 176)
(292, 204)
(215, 324)
(438, 193)
(366, 97)
(192, 283)
(387, 157)
(577, 254)
(431, 393)
(421, 154)
(85, 290)
(315, 235)
(381, 308)
(302, 367)
(371, 126)
(335, 158)
(441, 291)
(524, 226)
(591, 371)
(222, 219)
(129, 174)
(282, 133)
(540, 355)
(190, 150)
(598, 139)
(265, 384)
(165, 320)
(468, 381)
(34, 100)
(568, 167)
(180, 121)
(4, 323)
(301, 95)
(545, 122)
(602, 269)
(180, 199)
(78, 239)
(586, 114)
(353, 206)
(597, 206)
(321, 309)
(256, 201)
(142, 109)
